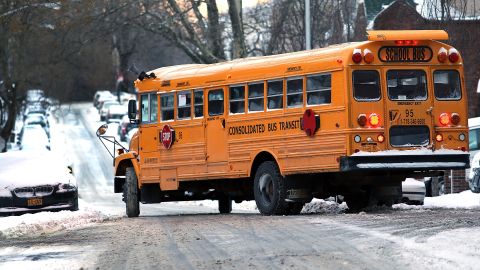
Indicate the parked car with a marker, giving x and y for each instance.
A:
(35, 95)
(104, 108)
(130, 134)
(115, 113)
(474, 175)
(32, 183)
(124, 127)
(104, 98)
(101, 95)
(34, 137)
(413, 191)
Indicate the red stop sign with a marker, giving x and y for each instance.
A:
(167, 136)
(311, 122)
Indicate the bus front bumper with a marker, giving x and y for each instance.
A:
(405, 162)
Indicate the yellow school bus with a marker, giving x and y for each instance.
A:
(353, 119)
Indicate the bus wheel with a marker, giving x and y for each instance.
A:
(294, 208)
(225, 205)
(270, 189)
(130, 193)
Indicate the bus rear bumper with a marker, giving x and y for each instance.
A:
(405, 162)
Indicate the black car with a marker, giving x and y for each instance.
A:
(35, 181)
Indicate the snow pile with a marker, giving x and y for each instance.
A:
(49, 222)
(465, 199)
(318, 206)
(462, 200)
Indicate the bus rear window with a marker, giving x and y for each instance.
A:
(407, 84)
(366, 85)
(447, 85)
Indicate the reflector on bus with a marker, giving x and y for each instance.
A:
(381, 35)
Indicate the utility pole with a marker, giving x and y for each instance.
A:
(308, 43)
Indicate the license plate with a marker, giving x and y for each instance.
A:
(35, 202)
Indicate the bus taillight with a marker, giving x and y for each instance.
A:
(453, 55)
(442, 55)
(444, 119)
(455, 118)
(362, 120)
(368, 56)
(357, 56)
(374, 119)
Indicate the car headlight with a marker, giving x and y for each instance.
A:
(5, 193)
(66, 188)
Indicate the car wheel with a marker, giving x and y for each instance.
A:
(225, 205)
(269, 189)
(130, 193)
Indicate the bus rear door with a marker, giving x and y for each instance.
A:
(408, 107)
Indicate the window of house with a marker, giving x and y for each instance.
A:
(167, 107)
(295, 92)
(255, 97)
(237, 99)
(319, 89)
(275, 94)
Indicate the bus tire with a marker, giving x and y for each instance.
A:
(269, 189)
(225, 205)
(130, 193)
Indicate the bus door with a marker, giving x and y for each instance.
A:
(215, 131)
(408, 107)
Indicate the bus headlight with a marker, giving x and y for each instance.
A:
(461, 137)
(357, 138)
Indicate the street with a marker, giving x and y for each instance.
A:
(189, 236)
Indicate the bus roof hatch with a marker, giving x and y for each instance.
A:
(384, 35)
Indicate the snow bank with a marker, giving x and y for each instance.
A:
(462, 200)
(49, 222)
(318, 206)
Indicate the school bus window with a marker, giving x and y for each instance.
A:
(153, 108)
(407, 84)
(366, 85)
(255, 97)
(295, 92)
(198, 103)
(215, 102)
(237, 99)
(275, 94)
(145, 109)
(166, 101)
(184, 103)
(319, 89)
(447, 85)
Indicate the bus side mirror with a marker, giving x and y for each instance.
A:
(132, 109)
